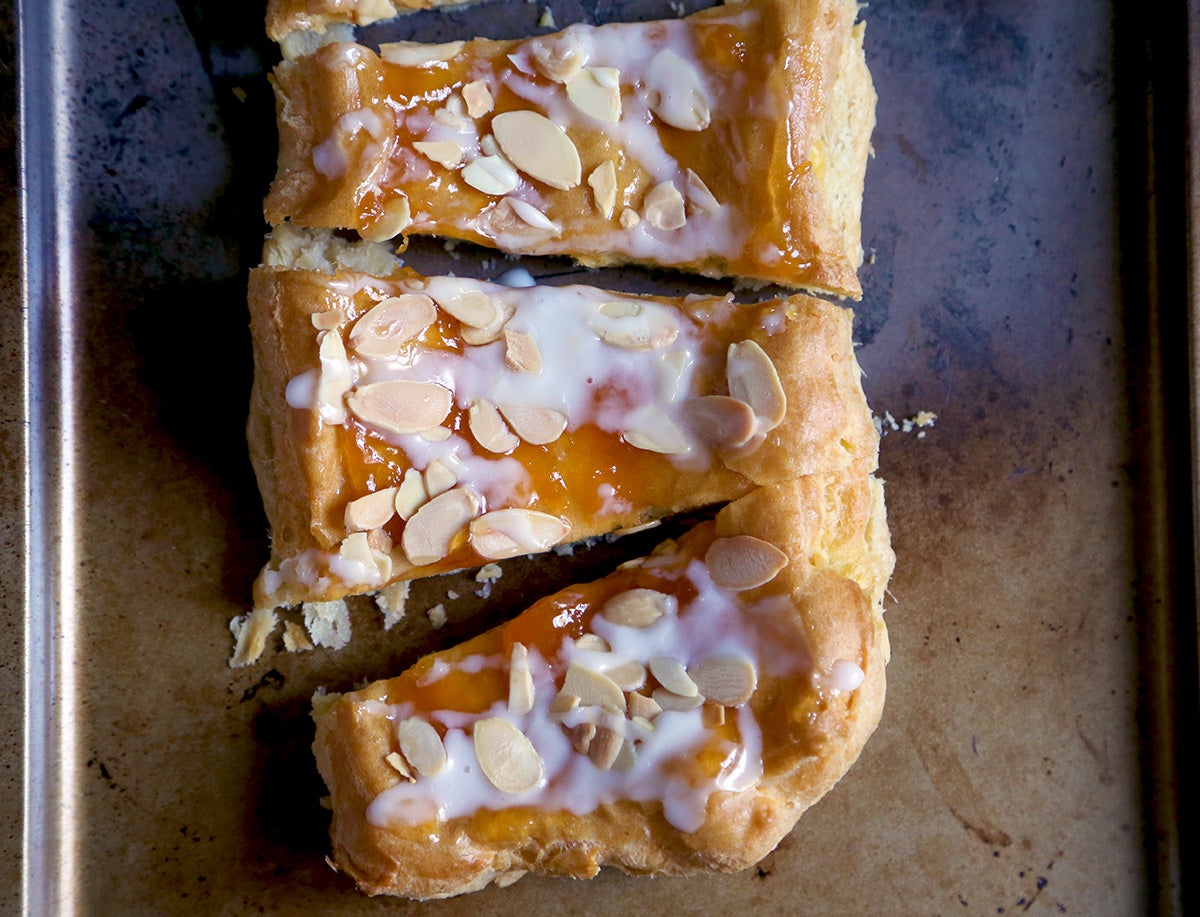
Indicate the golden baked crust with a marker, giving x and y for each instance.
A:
(815, 634)
(730, 143)
(632, 394)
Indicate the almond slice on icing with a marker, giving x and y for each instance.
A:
(581, 735)
(394, 219)
(596, 91)
(728, 680)
(629, 218)
(444, 152)
(421, 746)
(638, 607)
(401, 406)
(411, 494)
(722, 420)
(537, 426)
(520, 681)
(558, 57)
(635, 326)
(670, 673)
(513, 532)
(594, 689)
(603, 182)
(521, 353)
(489, 428)
(741, 562)
(752, 377)
(699, 196)
(642, 706)
(429, 534)
(676, 94)
(419, 54)
(628, 676)
(399, 765)
(473, 308)
(712, 715)
(372, 511)
(478, 98)
(538, 147)
(506, 756)
(664, 208)
(439, 477)
(662, 435)
(677, 703)
(564, 702)
(604, 747)
(334, 379)
(491, 175)
(383, 330)
(592, 643)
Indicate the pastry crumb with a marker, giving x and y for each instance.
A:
(250, 632)
(391, 601)
(489, 573)
(437, 615)
(295, 640)
(919, 422)
(328, 623)
(546, 20)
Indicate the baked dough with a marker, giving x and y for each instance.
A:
(730, 143)
(502, 775)
(287, 16)
(406, 426)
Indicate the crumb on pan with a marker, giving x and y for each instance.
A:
(391, 601)
(328, 623)
(250, 632)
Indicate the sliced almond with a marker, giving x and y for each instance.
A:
(638, 607)
(401, 406)
(604, 747)
(520, 681)
(594, 689)
(628, 676)
(670, 373)
(728, 680)
(379, 540)
(664, 207)
(513, 532)
(675, 92)
(491, 175)
(635, 326)
(419, 54)
(558, 57)
(372, 511)
(564, 702)
(670, 673)
(538, 147)
(722, 420)
(629, 218)
(421, 746)
(521, 353)
(489, 429)
(327, 321)
(592, 643)
(383, 330)
(529, 215)
(699, 196)
(662, 435)
(596, 91)
(479, 336)
(642, 706)
(752, 377)
(444, 152)
(678, 703)
(473, 308)
(581, 735)
(411, 494)
(478, 98)
(399, 765)
(334, 379)
(430, 533)
(712, 715)
(741, 562)
(435, 434)
(603, 182)
(506, 756)
(537, 426)
(392, 220)
(438, 477)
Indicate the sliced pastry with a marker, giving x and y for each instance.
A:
(403, 426)
(676, 716)
(732, 142)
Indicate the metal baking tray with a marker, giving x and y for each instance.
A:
(1043, 609)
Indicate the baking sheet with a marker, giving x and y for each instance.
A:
(1006, 773)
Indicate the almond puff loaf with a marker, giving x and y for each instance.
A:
(679, 714)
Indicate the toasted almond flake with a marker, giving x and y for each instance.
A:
(383, 330)
(712, 715)
(752, 377)
(478, 98)
(538, 147)
(429, 534)
(699, 196)
(603, 182)
(663, 436)
(675, 92)
(489, 146)
(438, 477)
(670, 673)
(489, 429)
(492, 332)
(642, 706)
(626, 758)
(664, 208)
(722, 420)
(521, 353)
(512, 532)
(399, 765)
(327, 321)
(371, 511)
(629, 218)
(391, 221)
(593, 688)
(473, 308)
(537, 426)
(491, 175)
(334, 380)
(419, 54)
(401, 406)
(444, 152)
(435, 434)
(670, 373)
(638, 607)
(520, 681)
(581, 735)
(592, 643)
(629, 676)
(530, 215)
(741, 562)
(635, 326)
(295, 640)
(379, 540)
(677, 703)
(728, 680)
(558, 57)
(596, 91)
(620, 308)
(564, 702)
(506, 756)
(421, 746)
(604, 747)
(411, 494)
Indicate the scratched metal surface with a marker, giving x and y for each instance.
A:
(1004, 775)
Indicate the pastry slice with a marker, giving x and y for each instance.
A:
(674, 717)
(731, 143)
(404, 426)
